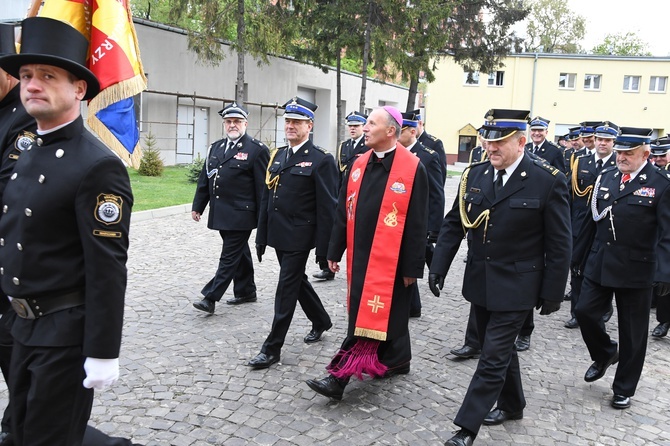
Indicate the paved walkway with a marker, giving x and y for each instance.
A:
(184, 381)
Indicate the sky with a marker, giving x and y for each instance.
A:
(649, 19)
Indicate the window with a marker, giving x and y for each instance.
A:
(471, 78)
(567, 80)
(497, 78)
(592, 81)
(657, 84)
(631, 83)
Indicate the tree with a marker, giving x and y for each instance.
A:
(251, 26)
(553, 27)
(622, 44)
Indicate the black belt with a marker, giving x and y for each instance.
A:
(36, 307)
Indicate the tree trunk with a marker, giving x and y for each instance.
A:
(366, 56)
(338, 98)
(241, 50)
(413, 90)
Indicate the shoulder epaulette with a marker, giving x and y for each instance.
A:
(431, 151)
(258, 143)
(321, 149)
(607, 169)
(546, 166)
(434, 138)
(485, 162)
(662, 172)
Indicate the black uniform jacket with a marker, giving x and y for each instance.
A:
(640, 254)
(233, 184)
(586, 176)
(347, 154)
(17, 131)
(64, 228)
(431, 161)
(412, 247)
(522, 252)
(551, 153)
(297, 214)
(435, 144)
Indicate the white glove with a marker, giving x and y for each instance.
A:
(100, 373)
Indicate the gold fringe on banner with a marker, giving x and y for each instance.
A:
(107, 97)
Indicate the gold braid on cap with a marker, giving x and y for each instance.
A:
(586, 192)
(271, 182)
(465, 221)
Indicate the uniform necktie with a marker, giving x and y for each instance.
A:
(289, 153)
(599, 165)
(625, 178)
(536, 149)
(230, 146)
(497, 186)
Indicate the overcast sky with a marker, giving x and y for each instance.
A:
(649, 19)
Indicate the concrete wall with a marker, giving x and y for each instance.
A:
(533, 84)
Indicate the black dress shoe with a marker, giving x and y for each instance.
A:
(315, 334)
(461, 438)
(661, 330)
(607, 316)
(205, 305)
(572, 323)
(621, 402)
(324, 274)
(328, 386)
(598, 369)
(522, 343)
(466, 352)
(404, 370)
(568, 296)
(6, 439)
(499, 416)
(242, 299)
(263, 361)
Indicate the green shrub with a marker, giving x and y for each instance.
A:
(151, 164)
(194, 169)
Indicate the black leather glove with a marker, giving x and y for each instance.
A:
(662, 288)
(260, 250)
(432, 236)
(548, 306)
(436, 283)
(321, 260)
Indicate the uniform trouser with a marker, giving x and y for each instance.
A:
(6, 342)
(293, 287)
(471, 336)
(633, 306)
(575, 290)
(528, 325)
(497, 377)
(662, 308)
(50, 406)
(235, 265)
(93, 437)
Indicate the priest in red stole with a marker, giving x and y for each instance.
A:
(381, 222)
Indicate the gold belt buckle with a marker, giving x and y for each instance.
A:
(22, 308)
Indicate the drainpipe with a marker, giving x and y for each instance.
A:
(532, 91)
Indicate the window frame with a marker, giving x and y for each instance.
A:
(567, 76)
(665, 84)
(495, 76)
(591, 77)
(626, 88)
(476, 76)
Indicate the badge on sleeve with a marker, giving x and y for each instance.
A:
(108, 209)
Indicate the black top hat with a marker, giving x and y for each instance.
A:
(299, 108)
(7, 39)
(502, 123)
(234, 111)
(52, 42)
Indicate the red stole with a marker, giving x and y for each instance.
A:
(376, 298)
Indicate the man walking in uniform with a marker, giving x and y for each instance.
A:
(66, 213)
(296, 216)
(432, 143)
(516, 209)
(232, 181)
(347, 153)
(628, 254)
(387, 186)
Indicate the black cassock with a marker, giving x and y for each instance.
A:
(395, 351)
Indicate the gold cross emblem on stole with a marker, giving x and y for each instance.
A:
(375, 304)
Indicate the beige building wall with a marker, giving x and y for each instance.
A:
(531, 81)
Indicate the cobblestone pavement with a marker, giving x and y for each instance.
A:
(184, 381)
